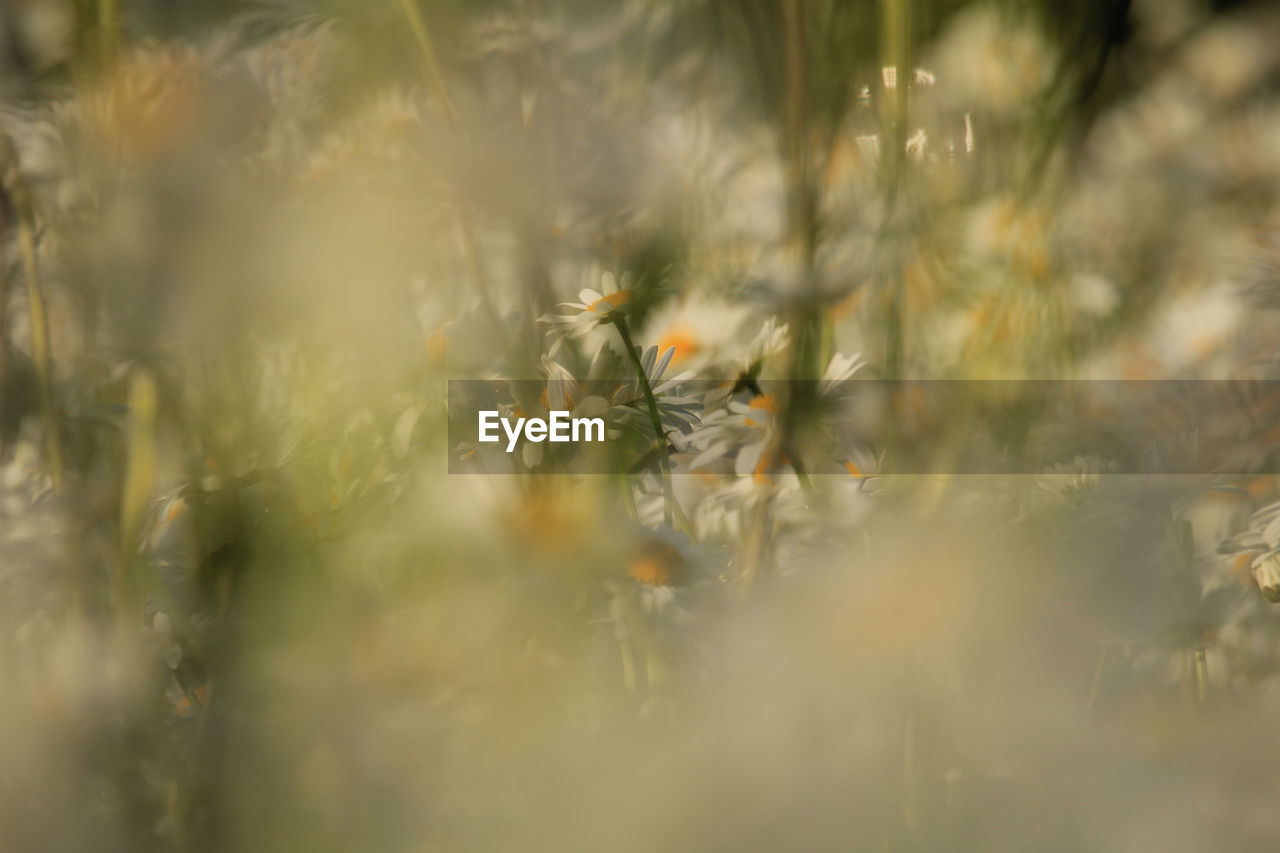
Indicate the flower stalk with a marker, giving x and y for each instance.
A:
(672, 510)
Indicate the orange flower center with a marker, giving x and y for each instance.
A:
(658, 564)
(767, 402)
(613, 300)
(682, 340)
(769, 460)
(546, 404)
(763, 403)
(437, 347)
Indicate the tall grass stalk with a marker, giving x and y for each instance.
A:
(108, 30)
(895, 48)
(41, 348)
(139, 483)
(6, 388)
(806, 343)
(433, 76)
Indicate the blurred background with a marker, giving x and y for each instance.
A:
(244, 605)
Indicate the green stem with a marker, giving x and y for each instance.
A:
(41, 350)
(5, 389)
(1200, 664)
(805, 319)
(628, 665)
(430, 61)
(628, 499)
(108, 27)
(757, 541)
(434, 78)
(895, 50)
(672, 506)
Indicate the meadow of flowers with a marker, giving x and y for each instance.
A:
(262, 588)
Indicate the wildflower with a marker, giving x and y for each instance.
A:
(860, 463)
(664, 563)
(1266, 573)
(150, 104)
(725, 513)
(840, 369)
(744, 430)
(658, 567)
(1079, 476)
(1262, 538)
(676, 411)
(772, 339)
(579, 319)
(701, 332)
(750, 425)
(664, 574)
(383, 131)
(561, 393)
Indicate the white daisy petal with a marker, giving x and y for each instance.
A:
(748, 459)
(662, 363)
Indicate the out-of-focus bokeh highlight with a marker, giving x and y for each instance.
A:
(243, 605)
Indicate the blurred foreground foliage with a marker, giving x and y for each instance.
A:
(243, 605)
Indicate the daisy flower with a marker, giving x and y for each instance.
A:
(662, 575)
(742, 430)
(1262, 541)
(1071, 479)
(726, 513)
(840, 369)
(578, 319)
(747, 429)
(679, 413)
(622, 402)
(700, 332)
(773, 338)
(663, 565)
(863, 465)
(591, 398)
